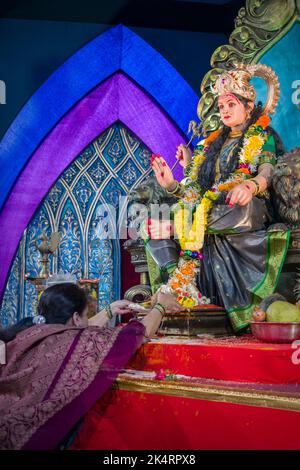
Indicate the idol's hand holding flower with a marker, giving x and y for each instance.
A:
(184, 155)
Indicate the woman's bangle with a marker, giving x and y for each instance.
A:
(109, 312)
(161, 308)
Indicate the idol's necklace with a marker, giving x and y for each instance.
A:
(235, 134)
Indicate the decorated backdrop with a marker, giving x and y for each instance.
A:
(284, 58)
(107, 169)
(45, 183)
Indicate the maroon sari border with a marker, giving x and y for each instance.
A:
(56, 428)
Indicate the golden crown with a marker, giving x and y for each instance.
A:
(237, 81)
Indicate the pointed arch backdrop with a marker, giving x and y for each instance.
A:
(116, 77)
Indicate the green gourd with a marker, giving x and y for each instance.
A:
(283, 312)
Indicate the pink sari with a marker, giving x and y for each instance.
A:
(53, 375)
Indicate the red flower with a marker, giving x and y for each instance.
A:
(160, 375)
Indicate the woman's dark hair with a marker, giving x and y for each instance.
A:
(59, 302)
(57, 305)
(207, 173)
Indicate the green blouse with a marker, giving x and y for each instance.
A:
(268, 152)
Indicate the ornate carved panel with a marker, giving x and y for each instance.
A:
(258, 26)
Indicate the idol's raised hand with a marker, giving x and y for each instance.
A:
(162, 172)
(184, 155)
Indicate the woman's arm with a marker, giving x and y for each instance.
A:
(152, 322)
(100, 319)
(184, 155)
(267, 161)
(163, 303)
(119, 307)
(161, 229)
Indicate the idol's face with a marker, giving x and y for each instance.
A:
(233, 112)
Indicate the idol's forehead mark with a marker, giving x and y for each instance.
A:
(227, 97)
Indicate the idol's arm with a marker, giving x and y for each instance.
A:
(244, 192)
(263, 177)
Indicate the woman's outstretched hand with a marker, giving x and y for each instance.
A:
(163, 172)
(240, 194)
(153, 319)
(184, 155)
(169, 302)
(120, 307)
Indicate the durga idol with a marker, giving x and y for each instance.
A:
(228, 253)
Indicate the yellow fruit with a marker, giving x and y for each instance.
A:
(283, 312)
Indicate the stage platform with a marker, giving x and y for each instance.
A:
(241, 358)
(202, 393)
